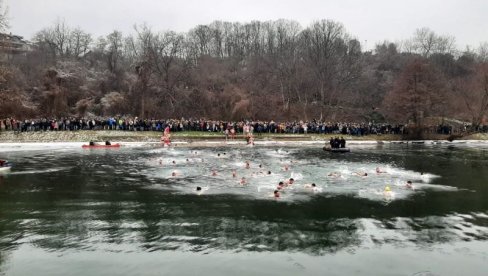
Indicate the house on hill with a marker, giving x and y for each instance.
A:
(12, 45)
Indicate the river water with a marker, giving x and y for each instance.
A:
(135, 210)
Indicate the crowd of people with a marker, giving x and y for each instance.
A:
(228, 127)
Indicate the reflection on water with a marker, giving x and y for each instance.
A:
(128, 201)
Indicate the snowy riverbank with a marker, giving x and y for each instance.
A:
(204, 137)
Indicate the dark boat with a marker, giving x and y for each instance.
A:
(329, 149)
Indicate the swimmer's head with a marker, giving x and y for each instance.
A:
(387, 189)
(365, 174)
(218, 154)
(281, 183)
(313, 185)
(173, 174)
(260, 165)
(292, 180)
(409, 182)
(199, 188)
(269, 172)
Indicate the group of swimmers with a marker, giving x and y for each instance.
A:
(282, 185)
(387, 190)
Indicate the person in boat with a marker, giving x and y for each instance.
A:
(92, 143)
(335, 143)
(331, 142)
(107, 143)
(342, 142)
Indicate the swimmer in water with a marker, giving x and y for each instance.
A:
(409, 185)
(387, 192)
(334, 174)
(378, 170)
(310, 186)
(363, 174)
(276, 194)
(248, 166)
(243, 181)
(285, 168)
(199, 188)
(214, 173)
(234, 174)
(290, 181)
(174, 162)
(269, 172)
(281, 185)
(174, 174)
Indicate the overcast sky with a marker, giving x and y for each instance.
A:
(369, 21)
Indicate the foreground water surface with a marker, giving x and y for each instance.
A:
(136, 211)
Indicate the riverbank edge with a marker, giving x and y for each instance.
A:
(189, 137)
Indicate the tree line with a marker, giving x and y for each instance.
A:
(256, 70)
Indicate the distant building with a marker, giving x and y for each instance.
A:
(12, 45)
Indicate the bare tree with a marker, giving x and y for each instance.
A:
(78, 43)
(114, 50)
(473, 90)
(332, 57)
(482, 52)
(169, 64)
(418, 92)
(426, 42)
(4, 20)
(62, 41)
